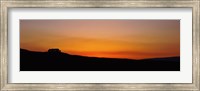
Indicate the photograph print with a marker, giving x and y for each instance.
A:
(99, 45)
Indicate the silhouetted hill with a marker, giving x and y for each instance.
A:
(55, 60)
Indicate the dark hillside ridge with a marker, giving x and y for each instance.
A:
(55, 60)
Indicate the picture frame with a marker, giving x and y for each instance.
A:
(7, 4)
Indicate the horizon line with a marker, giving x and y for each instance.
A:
(101, 57)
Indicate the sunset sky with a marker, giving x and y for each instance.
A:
(133, 39)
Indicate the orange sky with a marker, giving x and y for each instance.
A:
(134, 39)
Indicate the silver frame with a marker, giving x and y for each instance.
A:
(6, 4)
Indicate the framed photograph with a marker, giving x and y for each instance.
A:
(99, 45)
